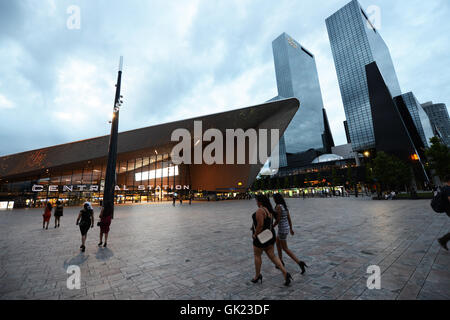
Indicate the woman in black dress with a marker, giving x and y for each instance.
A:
(263, 220)
(85, 220)
(58, 213)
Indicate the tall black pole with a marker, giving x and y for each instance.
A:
(110, 178)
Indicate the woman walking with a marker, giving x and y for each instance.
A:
(85, 220)
(262, 222)
(105, 222)
(47, 215)
(284, 227)
(58, 213)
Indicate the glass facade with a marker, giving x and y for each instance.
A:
(143, 179)
(438, 115)
(354, 44)
(420, 118)
(296, 74)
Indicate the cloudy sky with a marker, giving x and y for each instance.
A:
(184, 59)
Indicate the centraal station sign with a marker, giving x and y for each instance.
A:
(97, 188)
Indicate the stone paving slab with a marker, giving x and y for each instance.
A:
(204, 251)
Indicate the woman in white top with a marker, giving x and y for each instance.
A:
(284, 227)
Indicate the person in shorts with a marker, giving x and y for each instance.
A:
(284, 224)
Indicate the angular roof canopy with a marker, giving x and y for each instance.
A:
(276, 114)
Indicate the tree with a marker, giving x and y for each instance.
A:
(264, 183)
(295, 183)
(390, 172)
(278, 183)
(286, 183)
(335, 179)
(256, 185)
(439, 157)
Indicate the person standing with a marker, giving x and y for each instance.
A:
(446, 196)
(85, 221)
(47, 215)
(58, 213)
(262, 221)
(284, 224)
(105, 222)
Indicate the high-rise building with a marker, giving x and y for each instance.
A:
(419, 117)
(297, 76)
(327, 137)
(356, 43)
(394, 128)
(438, 114)
(347, 133)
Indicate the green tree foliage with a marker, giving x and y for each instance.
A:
(286, 183)
(390, 172)
(256, 185)
(335, 178)
(295, 182)
(439, 157)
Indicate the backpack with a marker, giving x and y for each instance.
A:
(439, 202)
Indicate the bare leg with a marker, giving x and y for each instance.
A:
(258, 261)
(83, 240)
(106, 237)
(271, 254)
(101, 236)
(288, 251)
(279, 249)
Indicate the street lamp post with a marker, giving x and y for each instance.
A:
(110, 178)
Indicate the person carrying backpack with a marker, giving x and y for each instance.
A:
(441, 203)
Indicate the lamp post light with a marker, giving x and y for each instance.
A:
(110, 177)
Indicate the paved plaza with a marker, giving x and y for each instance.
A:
(204, 251)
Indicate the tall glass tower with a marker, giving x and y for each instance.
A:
(419, 117)
(355, 43)
(438, 114)
(297, 76)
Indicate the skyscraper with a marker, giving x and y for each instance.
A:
(419, 117)
(438, 114)
(356, 43)
(297, 76)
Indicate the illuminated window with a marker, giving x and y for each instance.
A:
(158, 173)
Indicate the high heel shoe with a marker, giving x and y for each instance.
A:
(302, 266)
(257, 279)
(288, 279)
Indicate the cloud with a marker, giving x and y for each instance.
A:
(182, 59)
(5, 103)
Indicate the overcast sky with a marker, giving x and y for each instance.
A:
(184, 59)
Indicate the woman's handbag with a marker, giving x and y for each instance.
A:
(266, 235)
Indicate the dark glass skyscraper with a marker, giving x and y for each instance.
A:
(297, 76)
(355, 43)
(438, 114)
(419, 117)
